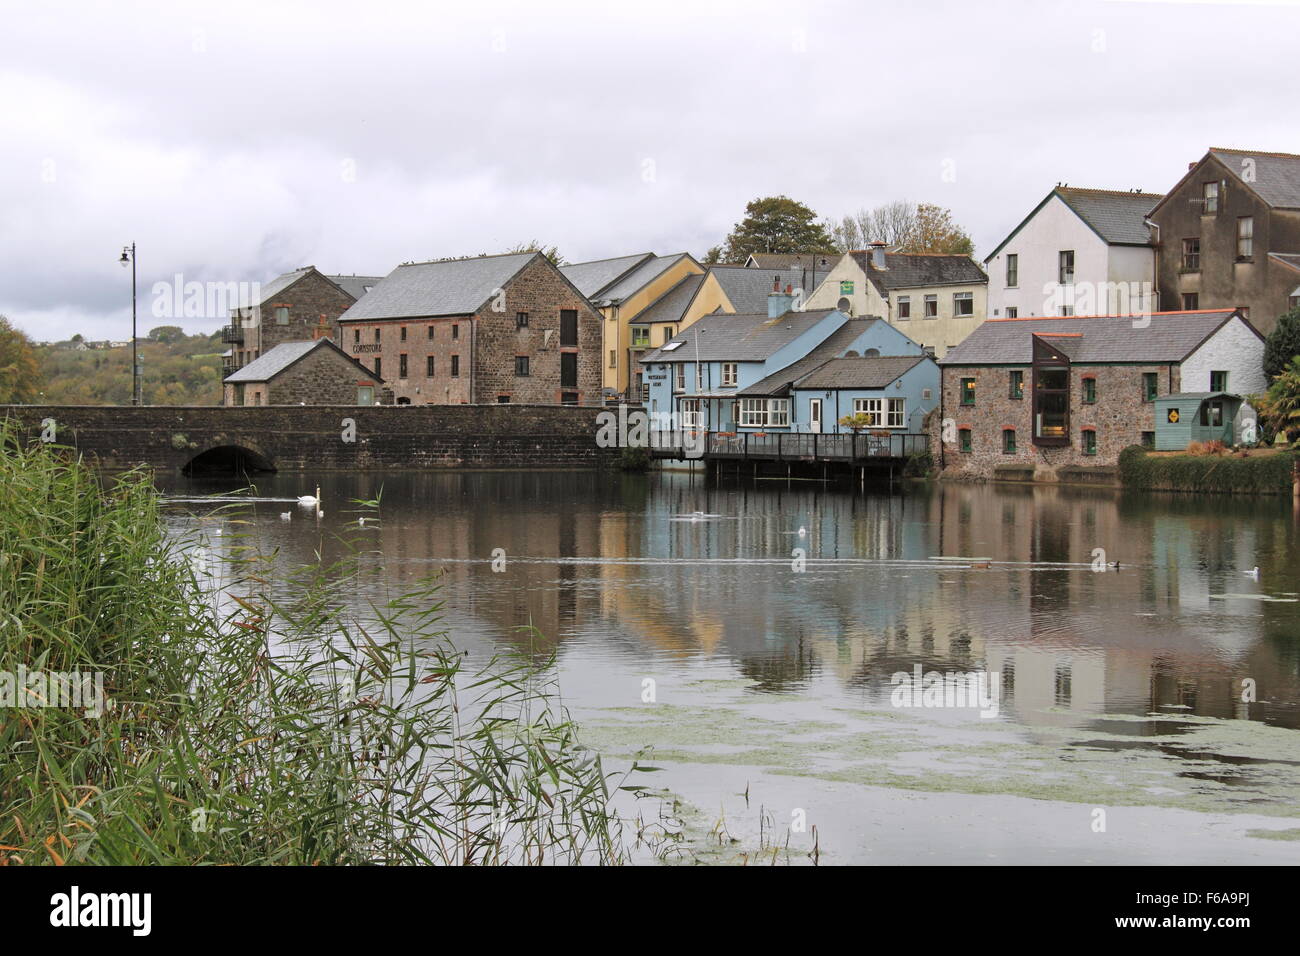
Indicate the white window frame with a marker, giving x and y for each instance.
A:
(958, 297)
(730, 374)
(765, 412)
(888, 412)
(931, 300)
(679, 377)
(1013, 270)
(691, 413)
(904, 307)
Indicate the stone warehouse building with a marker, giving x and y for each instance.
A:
(314, 372)
(1044, 398)
(1228, 236)
(508, 328)
(294, 307)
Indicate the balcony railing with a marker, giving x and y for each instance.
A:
(230, 366)
(790, 446)
(233, 334)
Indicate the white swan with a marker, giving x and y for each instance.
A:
(286, 515)
(803, 532)
(1252, 573)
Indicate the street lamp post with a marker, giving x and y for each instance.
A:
(128, 256)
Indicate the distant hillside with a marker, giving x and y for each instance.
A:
(177, 369)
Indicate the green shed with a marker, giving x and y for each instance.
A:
(1195, 416)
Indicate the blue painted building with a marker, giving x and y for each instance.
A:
(742, 373)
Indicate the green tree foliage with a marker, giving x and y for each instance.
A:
(776, 224)
(1281, 405)
(178, 371)
(167, 333)
(20, 369)
(1282, 344)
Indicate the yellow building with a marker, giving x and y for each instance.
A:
(732, 289)
(936, 300)
(621, 289)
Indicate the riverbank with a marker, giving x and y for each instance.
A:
(155, 719)
(1267, 471)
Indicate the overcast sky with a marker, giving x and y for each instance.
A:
(233, 141)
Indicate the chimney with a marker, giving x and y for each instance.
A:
(878, 255)
(779, 303)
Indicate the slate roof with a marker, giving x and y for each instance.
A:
(446, 287)
(277, 285)
(1114, 215)
(728, 337)
(908, 270)
(1170, 337)
(778, 383)
(276, 360)
(747, 289)
(794, 260)
(590, 278)
(638, 278)
(355, 286)
(1277, 175)
(671, 306)
(876, 372)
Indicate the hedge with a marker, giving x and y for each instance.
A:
(1256, 474)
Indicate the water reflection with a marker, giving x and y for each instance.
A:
(606, 565)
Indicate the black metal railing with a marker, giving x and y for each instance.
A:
(782, 446)
(230, 366)
(233, 334)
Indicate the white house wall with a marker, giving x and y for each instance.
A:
(1234, 349)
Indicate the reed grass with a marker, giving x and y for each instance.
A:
(243, 730)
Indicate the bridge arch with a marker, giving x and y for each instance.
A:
(228, 459)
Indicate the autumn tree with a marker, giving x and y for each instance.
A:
(20, 371)
(935, 232)
(776, 224)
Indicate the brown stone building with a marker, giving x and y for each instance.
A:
(509, 328)
(314, 372)
(294, 307)
(1228, 236)
(1039, 397)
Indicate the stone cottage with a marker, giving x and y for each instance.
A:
(1052, 398)
(316, 372)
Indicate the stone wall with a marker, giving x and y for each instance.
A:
(315, 438)
(542, 291)
(1119, 417)
(324, 377)
(484, 347)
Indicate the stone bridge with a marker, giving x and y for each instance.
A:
(195, 439)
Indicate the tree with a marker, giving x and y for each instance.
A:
(935, 232)
(532, 245)
(1282, 344)
(713, 256)
(1281, 405)
(20, 372)
(776, 224)
(167, 333)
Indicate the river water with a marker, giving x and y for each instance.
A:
(746, 637)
